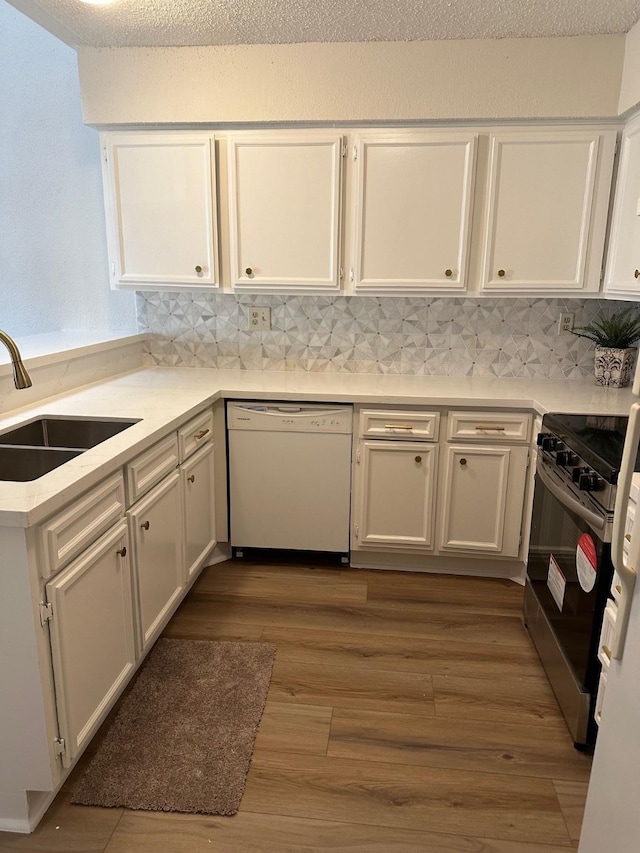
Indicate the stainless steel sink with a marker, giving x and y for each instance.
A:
(21, 464)
(33, 449)
(75, 433)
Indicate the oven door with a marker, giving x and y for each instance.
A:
(569, 569)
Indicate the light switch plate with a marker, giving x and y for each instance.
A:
(260, 319)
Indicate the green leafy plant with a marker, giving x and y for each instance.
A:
(618, 331)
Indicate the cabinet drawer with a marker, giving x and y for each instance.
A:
(195, 434)
(150, 467)
(69, 532)
(484, 426)
(423, 426)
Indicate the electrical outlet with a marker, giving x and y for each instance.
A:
(565, 323)
(259, 319)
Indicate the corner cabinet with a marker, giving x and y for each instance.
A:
(285, 201)
(545, 211)
(622, 278)
(413, 211)
(160, 195)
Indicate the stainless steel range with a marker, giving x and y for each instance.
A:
(569, 567)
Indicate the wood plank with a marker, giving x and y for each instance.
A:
(66, 829)
(286, 583)
(572, 797)
(408, 797)
(515, 750)
(514, 700)
(294, 728)
(247, 832)
(352, 687)
(486, 595)
(407, 654)
(415, 620)
(183, 627)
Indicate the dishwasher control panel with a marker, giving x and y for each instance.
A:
(290, 417)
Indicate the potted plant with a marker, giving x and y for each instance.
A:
(613, 337)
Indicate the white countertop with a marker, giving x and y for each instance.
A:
(164, 397)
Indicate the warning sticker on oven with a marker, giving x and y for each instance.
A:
(586, 562)
(556, 582)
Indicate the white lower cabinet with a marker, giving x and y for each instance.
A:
(91, 621)
(395, 486)
(155, 525)
(197, 475)
(482, 498)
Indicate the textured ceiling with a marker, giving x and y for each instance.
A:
(138, 23)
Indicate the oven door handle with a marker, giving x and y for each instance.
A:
(567, 500)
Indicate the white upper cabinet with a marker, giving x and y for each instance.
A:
(161, 209)
(622, 277)
(285, 198)
(546, 209)
(413, 211)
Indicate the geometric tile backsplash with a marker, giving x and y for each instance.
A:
(368, 334)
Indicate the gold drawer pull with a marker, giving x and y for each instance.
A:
(145, 526)
(463, 461)
(122, 551)
(192, 478)
(398, 426)
(636, 274)
(618, 588)
(607, 652)
(201, 434)
(492, 427)
(418, 458)
(627, 536)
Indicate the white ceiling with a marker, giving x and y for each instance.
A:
(139, 23)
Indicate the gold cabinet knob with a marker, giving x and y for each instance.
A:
(501, 273)
(198, 269)
(249, 271)
(463, 461)
(448, 273)
(123, 551)
(636, 274)
(145, 526)
(418, 458)
(192, 478)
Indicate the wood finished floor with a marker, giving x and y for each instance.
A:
(407, 713)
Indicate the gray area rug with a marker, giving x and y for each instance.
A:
(183, 737)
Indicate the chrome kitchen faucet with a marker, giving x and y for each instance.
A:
(21, 378)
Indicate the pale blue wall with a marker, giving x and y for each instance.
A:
(53, 257)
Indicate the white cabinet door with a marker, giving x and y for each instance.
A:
(155, 523)
(413, 211)
(285, 200)
(92, 637)
(546, 209)
(482, 499)
(199, 507)
(161, 209)
(395, 494)
(622, 276)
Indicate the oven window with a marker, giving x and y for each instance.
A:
(574, 613)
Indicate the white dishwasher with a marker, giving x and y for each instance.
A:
(290, 475)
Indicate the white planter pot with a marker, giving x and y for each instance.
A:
(614, 366)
